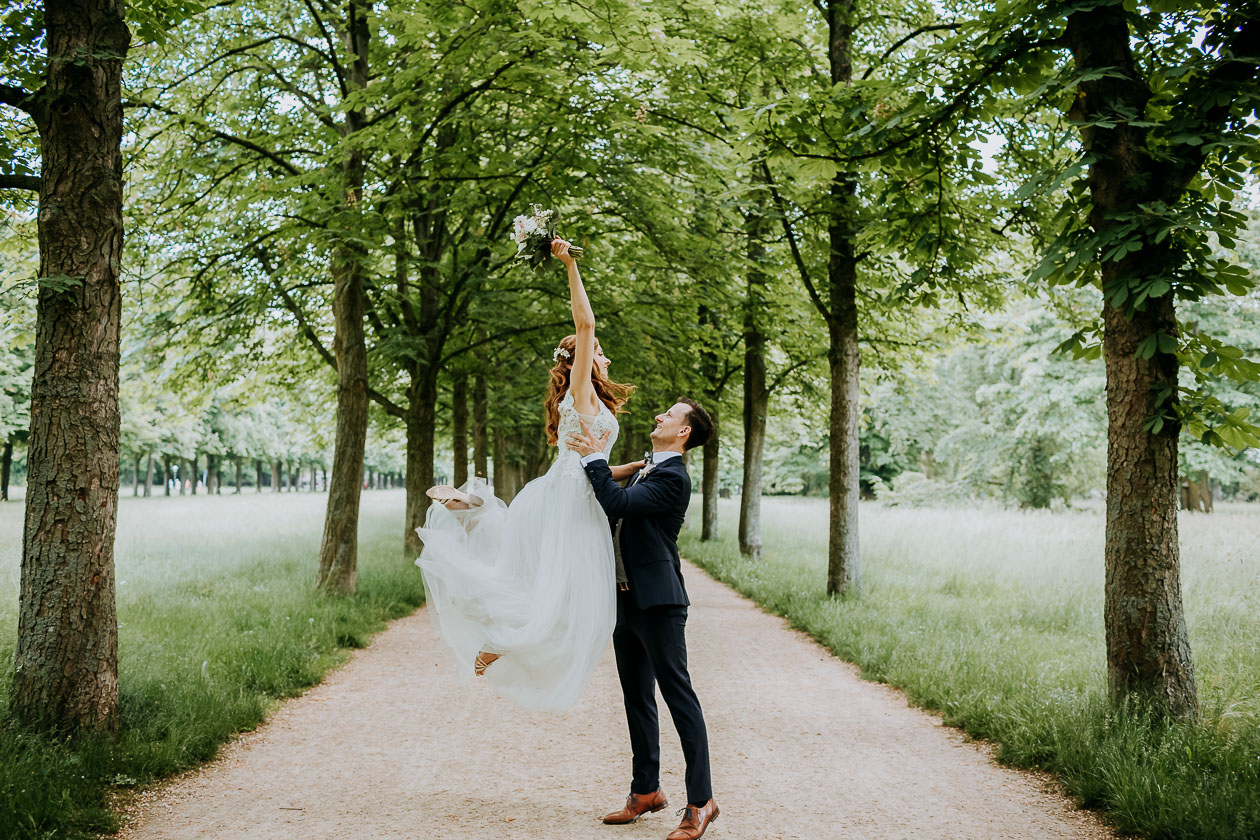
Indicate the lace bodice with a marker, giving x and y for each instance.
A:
(605, 421)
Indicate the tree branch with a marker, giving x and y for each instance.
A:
(796, 251)
(1211, 96)
(466, 348)
(222, 135)
(20, 182)
(898, 44)
(17, 97)
(392, 408)
(787, 371)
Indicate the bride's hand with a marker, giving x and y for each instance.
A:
(560, 250)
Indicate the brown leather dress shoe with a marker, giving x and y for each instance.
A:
(694, 821)
(637, 804)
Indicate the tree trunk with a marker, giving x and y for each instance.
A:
(181, 464)
(502, 482)
(275, 477)
(193, 473)
(843, 355)
(339, 552)
(258, 475)
(6, 466)
(212, 475)
(459, 428)
(709, 483)
(481, 446)
(1148, 649)
(148, 476)
(166, 472)
(756, 397)
(711, 367)
(237, 462)
(66, 663)
(421, 416)
(135, 476)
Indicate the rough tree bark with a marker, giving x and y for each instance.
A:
(339, 551)
(459, 428)
(1148, 649)
(66, 663)
(481, 447)
(148, 476)
(166, 473)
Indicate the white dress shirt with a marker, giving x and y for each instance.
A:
(657, 457)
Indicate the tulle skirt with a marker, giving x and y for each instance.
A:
(533, 582)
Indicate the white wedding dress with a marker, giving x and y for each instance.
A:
(533, 582)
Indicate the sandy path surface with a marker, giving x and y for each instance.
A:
(390, 747)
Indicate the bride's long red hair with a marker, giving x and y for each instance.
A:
(611, 394)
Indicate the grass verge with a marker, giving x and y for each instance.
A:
(217, 620)
(994, 620)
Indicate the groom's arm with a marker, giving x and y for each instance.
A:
(659, 492)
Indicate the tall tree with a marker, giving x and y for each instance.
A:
(1145, 151)
(875, 226)
(1163, 99)
(756, 397)
(339, 549)
(66, 662)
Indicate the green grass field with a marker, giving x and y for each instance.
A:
(994, 618)
(217, 619)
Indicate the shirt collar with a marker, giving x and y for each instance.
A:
(659, 458)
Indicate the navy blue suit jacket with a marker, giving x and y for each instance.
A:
(653, 510)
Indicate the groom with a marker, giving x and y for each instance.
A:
(652, 604)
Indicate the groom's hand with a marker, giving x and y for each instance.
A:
(586, 443)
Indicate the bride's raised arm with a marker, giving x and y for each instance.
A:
(584, 398)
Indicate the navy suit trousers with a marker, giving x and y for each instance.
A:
(651, 648)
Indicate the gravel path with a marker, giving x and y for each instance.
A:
(390, 747)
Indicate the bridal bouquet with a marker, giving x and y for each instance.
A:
(533, 234)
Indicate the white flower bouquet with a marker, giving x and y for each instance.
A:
(533, 235)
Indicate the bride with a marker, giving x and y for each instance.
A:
(525, 595)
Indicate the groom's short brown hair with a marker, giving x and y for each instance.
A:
(700, 422)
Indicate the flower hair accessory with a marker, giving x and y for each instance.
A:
(559, 353)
